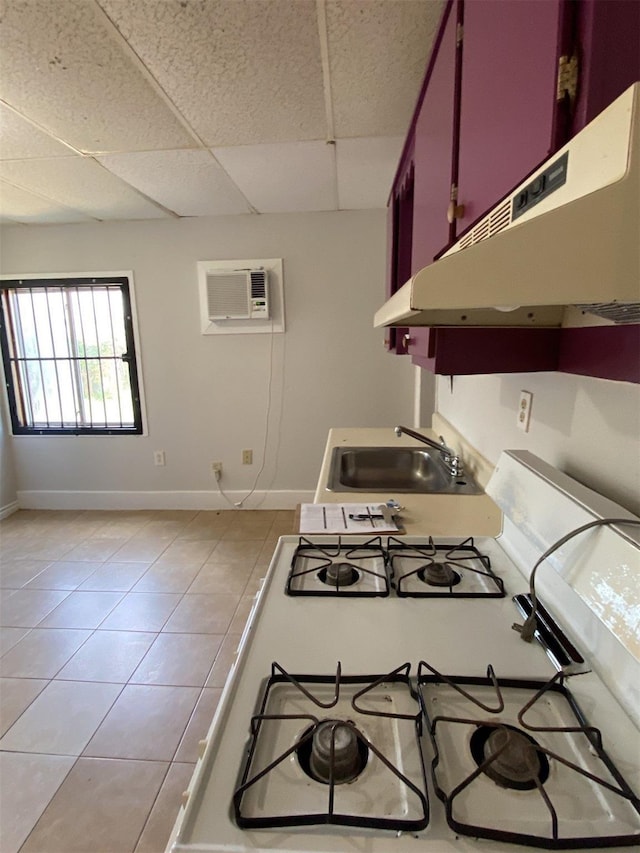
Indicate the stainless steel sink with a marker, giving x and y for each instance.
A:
(395, 470)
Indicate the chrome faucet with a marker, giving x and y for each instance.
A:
(449, 457)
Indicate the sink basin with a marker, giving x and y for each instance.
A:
(395, 470)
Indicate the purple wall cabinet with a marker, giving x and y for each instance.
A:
(487, 115)
(609, 54)
(507, 98)
(434, 150)
(434, 167)
(465, 137)
(399, 239)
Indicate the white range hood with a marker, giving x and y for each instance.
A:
(569, 235)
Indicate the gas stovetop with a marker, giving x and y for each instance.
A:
(513, 760)
(267, 780)
(516, 760)
(409, 568)
(335, 750)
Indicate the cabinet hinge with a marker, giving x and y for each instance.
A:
(567, 77)
(459, 34)
(454, 192)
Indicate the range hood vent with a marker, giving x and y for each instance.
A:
(567, 236)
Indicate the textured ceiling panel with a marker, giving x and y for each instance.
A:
(190, 183)
(240, 71)
(19, 139)
(365, 170)
(21, 206)
(292, 176)
(62, 65)
(377, 57)
(148, 86)
(81, 184)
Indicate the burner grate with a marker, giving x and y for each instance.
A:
(435, 571)
(361, 766)
(338, 569)
(574, 796)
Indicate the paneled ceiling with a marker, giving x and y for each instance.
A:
(148, 109)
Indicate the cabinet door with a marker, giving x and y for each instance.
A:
(433, 148)
(399, 240)
(434, 164)
(507, 99)
(609, 54)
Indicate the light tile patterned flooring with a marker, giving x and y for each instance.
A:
(117, 631)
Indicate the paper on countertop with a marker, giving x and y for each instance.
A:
(334, 518)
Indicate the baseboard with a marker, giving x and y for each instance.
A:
(9, 509)
(160, 500)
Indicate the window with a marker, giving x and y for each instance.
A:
(69, 356)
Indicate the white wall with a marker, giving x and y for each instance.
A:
(587, 427)
(8, 488)
(207, 396)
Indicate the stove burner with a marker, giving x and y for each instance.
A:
(339, 574)
(350, 752)
(518, 764)
(439, 574)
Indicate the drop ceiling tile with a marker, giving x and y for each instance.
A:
(240, 72)
(64, 66)
(378, 52)
(18, 205)
(190, 183)
(290, 176)
(82, 184)
(366, 168)
(19, 139)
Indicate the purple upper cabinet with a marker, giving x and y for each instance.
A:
(434, 149)
(434, 163)
(399, 238)
(508, 97)
(609, 55)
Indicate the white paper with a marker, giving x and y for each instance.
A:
(335, 518)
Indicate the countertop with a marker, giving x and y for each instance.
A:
(434, 515)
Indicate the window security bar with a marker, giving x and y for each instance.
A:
(68, 350)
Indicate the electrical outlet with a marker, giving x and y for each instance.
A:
(524, 410)
(247, 457)
(216, 469)
(159, 457)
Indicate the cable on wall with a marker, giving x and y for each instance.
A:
(240, 504)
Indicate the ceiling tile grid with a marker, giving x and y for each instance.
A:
(240, 72)
(378, 52)
(284, 177)
(82, 184)
(19, 138)
(136, 109)
(62, 66)
(18, 205)
(189, 183)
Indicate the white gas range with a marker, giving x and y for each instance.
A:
(381, 700)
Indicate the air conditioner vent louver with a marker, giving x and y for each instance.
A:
(617, 312)
(258, 284)
(237, 295)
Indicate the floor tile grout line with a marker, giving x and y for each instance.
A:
(265, 538)
(62, 781)
(155, 799)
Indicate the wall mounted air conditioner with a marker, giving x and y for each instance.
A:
(237, 294)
